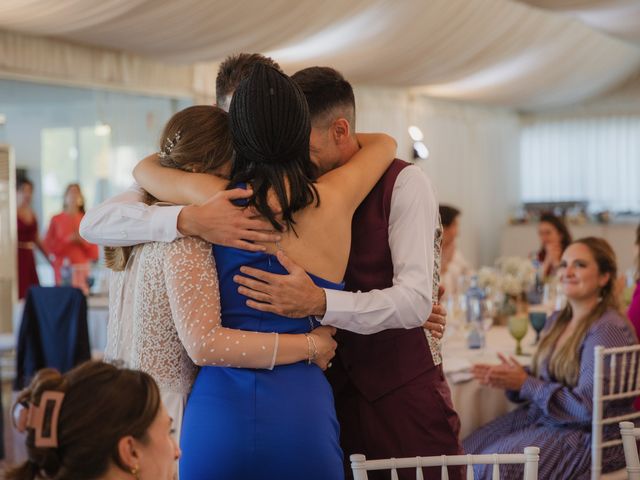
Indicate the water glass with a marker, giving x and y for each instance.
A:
(537, 320)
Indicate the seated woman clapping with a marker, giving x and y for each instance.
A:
(82, 426)
(559, 385)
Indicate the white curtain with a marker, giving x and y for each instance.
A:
(596, 159)
(385, 110)
(474, 166)
(473, 162)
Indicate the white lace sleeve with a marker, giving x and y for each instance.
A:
(192, 286)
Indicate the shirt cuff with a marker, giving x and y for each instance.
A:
(338, 303)
(164, 223)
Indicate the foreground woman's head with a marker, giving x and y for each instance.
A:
(94, 421)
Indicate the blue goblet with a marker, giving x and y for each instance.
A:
(537, 319)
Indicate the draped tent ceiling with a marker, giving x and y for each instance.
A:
(527, 54)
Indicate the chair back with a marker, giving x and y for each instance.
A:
(53, 332)
(629, 434)
(360, 465)
(617, 369)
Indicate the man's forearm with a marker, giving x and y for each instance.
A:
(377, 310)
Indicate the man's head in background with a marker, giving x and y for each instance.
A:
(233, 70)
(449, 217)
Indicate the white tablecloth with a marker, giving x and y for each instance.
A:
(97, 318)
(475, 403)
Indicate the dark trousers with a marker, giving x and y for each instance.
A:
(416, 419)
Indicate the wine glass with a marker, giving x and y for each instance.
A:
(518, 326)
(537, 320)
(490, 311)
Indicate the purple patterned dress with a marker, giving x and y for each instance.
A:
(557, 418)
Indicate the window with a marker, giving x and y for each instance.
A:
(93, 137)
(592, 159)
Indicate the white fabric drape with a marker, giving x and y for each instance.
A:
(525, 54)
(620, 18)
(24, 56)
(473, 163)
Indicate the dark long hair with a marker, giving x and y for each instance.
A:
(562, 229)
(270, 127)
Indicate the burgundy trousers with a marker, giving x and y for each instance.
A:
(416, 419)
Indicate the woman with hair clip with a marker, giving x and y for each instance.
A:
(559, 386)
(80, 426)
(164, 301)
(259, 424)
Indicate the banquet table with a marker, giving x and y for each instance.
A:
(97, 318)
(477, 404)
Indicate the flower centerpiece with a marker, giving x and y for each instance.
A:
(510, 279)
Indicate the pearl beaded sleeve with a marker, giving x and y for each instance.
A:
(194, 296)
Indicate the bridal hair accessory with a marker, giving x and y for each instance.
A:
(169, 145)
(43, 418)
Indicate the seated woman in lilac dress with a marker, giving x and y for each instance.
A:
(558, 388)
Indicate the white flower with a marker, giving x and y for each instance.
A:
(516, 275)
(488, 277)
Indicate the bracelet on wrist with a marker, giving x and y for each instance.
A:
(313, 349)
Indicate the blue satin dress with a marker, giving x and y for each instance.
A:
(246, 424)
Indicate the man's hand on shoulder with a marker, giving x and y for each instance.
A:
(293, 295)
(221, 222)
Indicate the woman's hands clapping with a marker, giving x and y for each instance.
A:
(509, 374)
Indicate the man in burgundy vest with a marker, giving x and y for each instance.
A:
(392, 399)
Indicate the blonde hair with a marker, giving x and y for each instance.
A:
(203, 145)
(564, 362)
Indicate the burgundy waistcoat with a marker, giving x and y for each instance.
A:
(381, 362)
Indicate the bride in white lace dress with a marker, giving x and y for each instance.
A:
(164, 303)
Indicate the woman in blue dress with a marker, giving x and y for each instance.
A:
(558, 390)
(280, 423)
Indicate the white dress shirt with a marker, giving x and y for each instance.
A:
(125, 220)
(413, 219)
